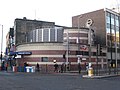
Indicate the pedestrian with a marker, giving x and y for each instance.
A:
(56, 67)
(25, 64)
(3, 66)
(38, 68)
(87, 66)
(68, 66)
(6, 66)
(62, 67)
(79, 68)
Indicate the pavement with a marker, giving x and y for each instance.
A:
(83, 74)
(94, 76)
(100, 76)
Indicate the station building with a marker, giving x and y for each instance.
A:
(50, 42)
(42, 42)
(45, 52)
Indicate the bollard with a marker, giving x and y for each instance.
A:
(90, 72)
(14, 69)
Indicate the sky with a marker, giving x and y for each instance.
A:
(58, 11)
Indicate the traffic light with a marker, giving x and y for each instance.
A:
(100, 50)
(64, 56)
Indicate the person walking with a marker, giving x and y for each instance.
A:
(56, 67)
(79, 68)
(62, 67)
(38, 67)
(6, 66)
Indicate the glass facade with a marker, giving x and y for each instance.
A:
(46, 35)
(112, 29)
(113, 36)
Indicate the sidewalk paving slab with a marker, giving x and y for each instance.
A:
(100, 76)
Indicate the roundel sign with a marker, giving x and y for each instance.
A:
(89, 22)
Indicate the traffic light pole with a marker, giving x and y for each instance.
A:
(67, 53)
(89, 44)
(1, 45)
(97, 59)
(79, 61)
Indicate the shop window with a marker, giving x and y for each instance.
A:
(44, 59)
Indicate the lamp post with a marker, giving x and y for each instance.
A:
(67, 53)
(1, 44)
(89, 44)
(78, 41)
(89, 24)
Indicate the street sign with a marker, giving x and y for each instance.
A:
(24, 53)
(89, 22)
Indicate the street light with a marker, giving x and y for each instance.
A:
(1, 44)
(67, 53)
(78, 41)
(88, 24)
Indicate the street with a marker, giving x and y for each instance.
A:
(37, 81)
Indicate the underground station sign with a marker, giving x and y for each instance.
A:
(24, 53)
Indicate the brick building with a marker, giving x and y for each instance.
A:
(50, 42)
(106, 24)
(45, 53)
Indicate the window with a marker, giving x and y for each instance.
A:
(44, 59)
(94, 54)
(108, 19)
(46, 35)
(108, 30)
(86, 53)
(112, 19)
(117, 35)
(116, 21)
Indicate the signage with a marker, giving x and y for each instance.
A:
(24, 53)
(89, 22)
(83, 47)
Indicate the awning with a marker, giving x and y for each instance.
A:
(20, 53)
(24, 53)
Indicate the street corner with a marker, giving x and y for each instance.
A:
(100, 76)
(87, 76)
(93, 77)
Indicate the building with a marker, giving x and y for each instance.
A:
(45, 53)
(106, 24)
(23, 26)
(43, 42)
(76, 41)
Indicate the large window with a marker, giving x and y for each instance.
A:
(117, 30)
(44, 59)
(108, 28)
(117, 21)
(112, 29)
(45, 35)
(112, 19)
(108, 18)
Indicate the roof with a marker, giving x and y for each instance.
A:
(25, 19)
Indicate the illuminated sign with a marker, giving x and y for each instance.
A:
(24, 53)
